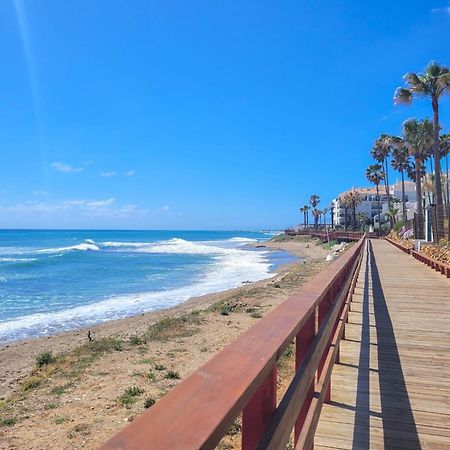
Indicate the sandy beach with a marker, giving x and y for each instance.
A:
(81, 399)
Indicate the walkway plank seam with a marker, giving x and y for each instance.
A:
(390, 389)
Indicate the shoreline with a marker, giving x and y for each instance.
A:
(22, 352)
(76, 330)
(182, 352)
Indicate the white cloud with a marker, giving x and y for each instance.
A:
(165, 208)
(88, 163)
(108, 174)
(445, 10)
(40, 192)
(67, 168)
(107, 208)
(130, 173)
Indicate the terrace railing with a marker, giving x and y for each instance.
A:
(242, 378)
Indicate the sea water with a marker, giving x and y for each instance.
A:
(52, 281)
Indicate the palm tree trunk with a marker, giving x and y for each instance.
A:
(386, 184)
(447, 189)
(437, 169)
(354, 218)
(420, 225)
(403, 198)
(379, 210)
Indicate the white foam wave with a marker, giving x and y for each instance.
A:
(17, 259)
(229, 268)
(243, 239)
(81, 247)
(124, 244)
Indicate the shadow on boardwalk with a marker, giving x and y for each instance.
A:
(399, 428)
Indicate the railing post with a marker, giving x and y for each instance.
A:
(324, 307)
(258, 411)
(302, 343)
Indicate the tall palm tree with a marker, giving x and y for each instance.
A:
(324, 212)
(316, 215)
(307, 209)
(302, 209)
(375, 174)
(314, 200)
(444, 147)
(353, 199)
(381, 150)
(433, 83)
(344, 206)
(400, 162)
(416, 138)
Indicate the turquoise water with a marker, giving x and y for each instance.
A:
(52, 281)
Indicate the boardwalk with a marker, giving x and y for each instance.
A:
(392, 386)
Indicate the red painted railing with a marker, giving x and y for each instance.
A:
(434, 264)
(398, 245)
(242, 378)
(331, 235)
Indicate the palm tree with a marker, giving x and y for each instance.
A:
(381, 150)
(303, 210)
(400, 162)
(362, 219)
(344, 205)
(316, 214)
(307, 208)
(324, 212)
(353, 199)
(416, 138)
(444, 147)
(433, 83)
(392, 214)
(375, 174)
(314, 200)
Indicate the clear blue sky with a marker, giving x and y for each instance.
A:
(202, 114)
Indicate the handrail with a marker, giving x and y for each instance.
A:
(398, 245)
(242, 377)
(433, 263)
(331, 234)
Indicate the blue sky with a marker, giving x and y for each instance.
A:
(202, 114)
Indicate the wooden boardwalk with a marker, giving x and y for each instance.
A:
(392, 386)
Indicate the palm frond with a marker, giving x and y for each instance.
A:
(403, 96)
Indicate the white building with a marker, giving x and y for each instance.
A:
(369, 205)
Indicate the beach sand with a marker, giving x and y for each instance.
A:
(79, 400)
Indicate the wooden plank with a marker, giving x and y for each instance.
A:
(391, 389)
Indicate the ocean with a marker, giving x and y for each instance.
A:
(52, 281)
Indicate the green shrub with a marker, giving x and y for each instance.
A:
(44, 359)
(225, 311)
(9, 421)
(32, 382)
(59, 420)
(171, 375)
(398, 225)
(136, 340)
(160, 367)
(129, 396)
(149, 402)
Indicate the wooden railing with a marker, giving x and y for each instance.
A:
(398, 245)
(433, 263)
(439, 266)
(242, 378)
(332, 235)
